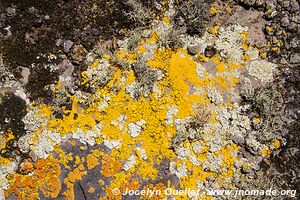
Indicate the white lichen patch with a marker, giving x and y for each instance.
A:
(87, 137)
(98, 73)
(142, 153)
(134, 129)
(229, 42)
(171, 112)
(129, 163)
(132, 89)
(112, 143)
(197, 147)
(262, 70)
(214, 96)
(194, 160)
(40, 145)
(180, 172)
(182, 152)
(200, 70)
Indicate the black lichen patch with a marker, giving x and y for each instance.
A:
(12, 110)
(38, 80)
(37, 25)
(286, 162)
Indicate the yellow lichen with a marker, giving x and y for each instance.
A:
(213, 10)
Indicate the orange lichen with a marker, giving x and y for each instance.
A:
(110, 166)
(73, 176)
(26, 166)
(24, 187)
(91, 161)
(156, 195)
(112, 194)
(48, 172)
(131, 185)
(181, 86)
(45, 178)
(91, 190)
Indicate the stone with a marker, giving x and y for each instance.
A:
(68, 45)
(249, 2)
(59, 42)
(285, 4)
(31, 10)
(210, 51)
(284, 21)
(294, 5)
(296, 19)
(295, 58)
(193, 49)
(11, 11)
(293, 27)
(25, 72)
(260, 2)
(47, 17)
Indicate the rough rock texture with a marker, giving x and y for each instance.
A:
(97, 97)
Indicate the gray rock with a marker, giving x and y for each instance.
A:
(293, 151)
(47, 17)
(294, 43)
(285, 21)
(31, 10)
(193, 49)
(294, 5)
(249, 2)
(68, 45)
(260, 2)
(2, 16)
(295, 58)
(296, 19)
(270, 4)
(25, 72)
(11, 11)
(59, 42)
(285, 4)
(95, 31)
(238, 139)
(293, 27)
